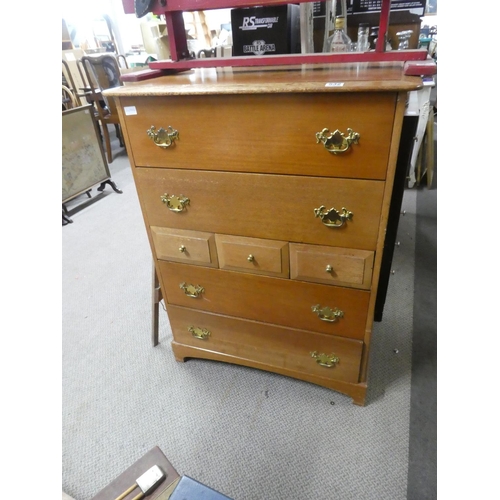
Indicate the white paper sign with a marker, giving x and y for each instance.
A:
(130, 110)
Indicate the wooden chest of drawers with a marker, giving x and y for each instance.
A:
(265, 197)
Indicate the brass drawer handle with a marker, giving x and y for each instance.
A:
(336, 142)
(163, 138)
(250, 258)
(192, 290)
(175, 203)
(332, 217)
(326, 360)
(182, 249)
(199, 333)
(327, 314)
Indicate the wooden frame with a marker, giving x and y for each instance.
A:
(83, 161)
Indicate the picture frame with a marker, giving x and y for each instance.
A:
(83, 162)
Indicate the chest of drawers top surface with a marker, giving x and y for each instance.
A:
(362, 77)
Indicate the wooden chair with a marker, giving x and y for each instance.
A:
(69, 88)
(103, 72)
(123, 63)
(68, 99)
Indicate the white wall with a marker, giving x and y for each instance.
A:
(126, 27)
(81, 14)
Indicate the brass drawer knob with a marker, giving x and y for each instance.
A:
(336, 142)
(332, 217)
(327, 314)
(326, 360)
(250, 258)
(329, 268)
(182, 249)
(175, 203)
(199, 333)
(192, 290)
(163, 138)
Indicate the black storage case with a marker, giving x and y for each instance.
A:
(266, 30)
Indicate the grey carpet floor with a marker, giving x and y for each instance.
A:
(422, 469)
(247, 433)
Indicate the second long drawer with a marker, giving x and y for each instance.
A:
(278, 207)
(308, 306)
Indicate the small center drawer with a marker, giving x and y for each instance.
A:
(253, 255)
(331, 265)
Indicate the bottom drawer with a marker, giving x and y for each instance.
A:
(285, 348)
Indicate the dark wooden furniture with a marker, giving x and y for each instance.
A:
(103, 72)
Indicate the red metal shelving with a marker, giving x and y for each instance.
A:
(416, 61)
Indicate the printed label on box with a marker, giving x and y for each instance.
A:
(254, 22)
(259, 48)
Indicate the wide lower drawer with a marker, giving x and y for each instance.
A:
(290, 349)
(307, 306)
(264, 133)
(278, 207)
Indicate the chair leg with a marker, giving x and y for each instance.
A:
(119, 134)
(105, 131)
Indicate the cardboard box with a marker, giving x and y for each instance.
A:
(155, 39)
(266, 30)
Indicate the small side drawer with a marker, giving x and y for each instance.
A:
(331, 265)
(181, 245)
(253, 255)
(291, 350)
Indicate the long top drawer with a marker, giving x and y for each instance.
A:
(264, 133)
